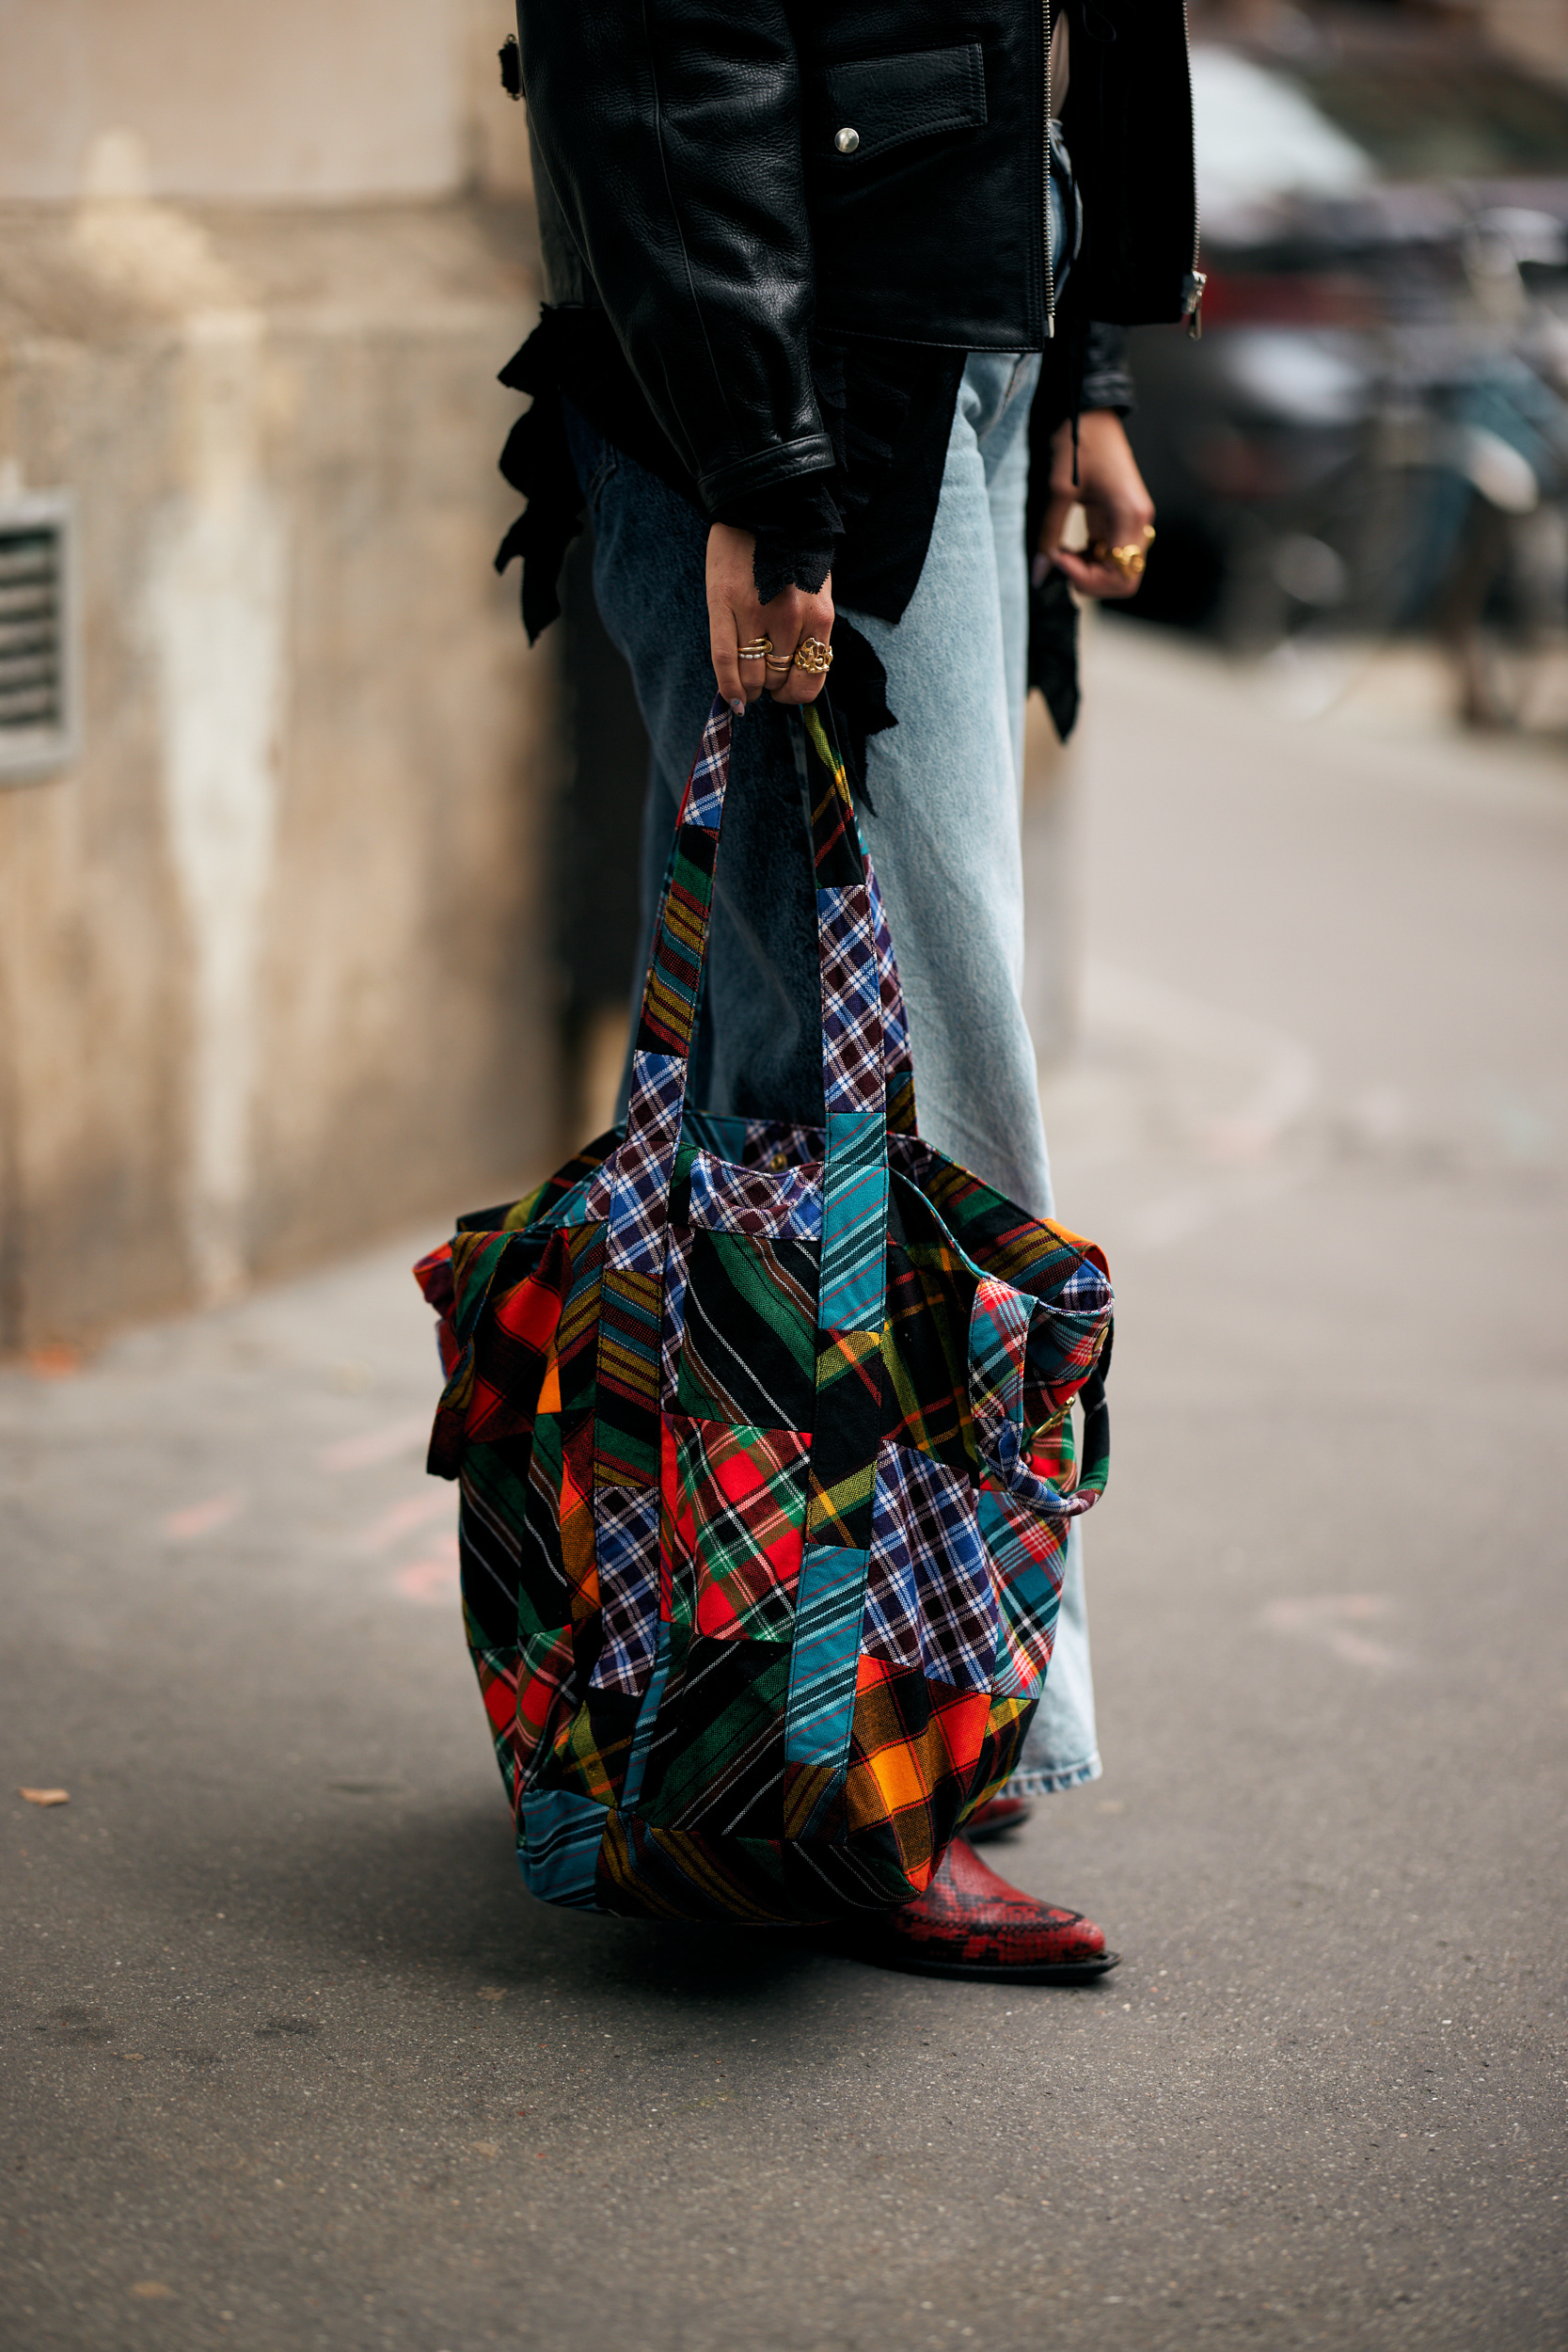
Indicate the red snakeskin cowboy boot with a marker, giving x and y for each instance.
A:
(971, 1923)
(996, 1818)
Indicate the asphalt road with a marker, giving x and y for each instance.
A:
(290, 2060)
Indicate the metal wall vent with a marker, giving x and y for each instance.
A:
(37, 636)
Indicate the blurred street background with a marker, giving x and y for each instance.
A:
(315, 928)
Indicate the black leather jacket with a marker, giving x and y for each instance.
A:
(724, 175)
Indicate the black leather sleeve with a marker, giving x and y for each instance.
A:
(671, 133)
(1107, 374)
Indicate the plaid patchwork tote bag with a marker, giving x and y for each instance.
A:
(766, 1457)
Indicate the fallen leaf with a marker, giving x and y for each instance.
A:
(485, 2148)
(45, 1796)
(151, 2290)
(492, 1992)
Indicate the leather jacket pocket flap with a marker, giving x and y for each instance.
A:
(881, 102)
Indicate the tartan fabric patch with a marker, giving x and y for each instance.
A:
(786, 1206)
(854, 1223)
(543, 1699)
(913, 1748)
(838, 864)
(766, 1456)
(896, 1020)
(663, 1873)
(499, 1618)
(1085, 1292)
(558, 1848)
(673, 1331)
(939, 1620)
(640, 1190)
(998, 1342)
(573, 1207)
(718, 1763)
(851, 1002)
(651, 1701)
(1007, 1391)
(775, 1144)
(900, 1102)
(926, 1355)
(558, 1201)
(846, 1426)
(631, 1290)
(779, 1144)
(630, 1306)
(1033, 1254)
(498, 1334)
(630, 1310)
(670, 1001)
(1028, 1556)
(626, 1529)
(569, 1378)
(748, 1332)
(560, 1479)
(702, 802)
(822, 1661)
(490, 1526)
(737, 1516)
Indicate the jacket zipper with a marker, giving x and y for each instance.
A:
(1195, 279)
(1045, 145)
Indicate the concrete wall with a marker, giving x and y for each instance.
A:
(301, 101)
(272, 971)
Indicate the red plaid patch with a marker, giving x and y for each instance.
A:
(737, 1515)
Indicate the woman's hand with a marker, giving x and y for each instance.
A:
(735, 618)
(1118, 508)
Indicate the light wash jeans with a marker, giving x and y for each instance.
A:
(945, 841)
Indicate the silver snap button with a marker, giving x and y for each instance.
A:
(847, 141)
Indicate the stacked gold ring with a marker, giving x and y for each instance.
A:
(1130, 561)
(755, 649)
(814, 656)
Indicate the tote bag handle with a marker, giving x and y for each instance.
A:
(868, 1084)
(671, 992)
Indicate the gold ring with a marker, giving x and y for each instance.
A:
(813, 656)
(755, 649)
(1131, 562)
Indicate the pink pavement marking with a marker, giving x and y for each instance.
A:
(433, 1580)
(201, 1518)
(1326, 1619)
(437, 1502)
(376, 1445)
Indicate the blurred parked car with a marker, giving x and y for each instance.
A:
(1372, 431)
